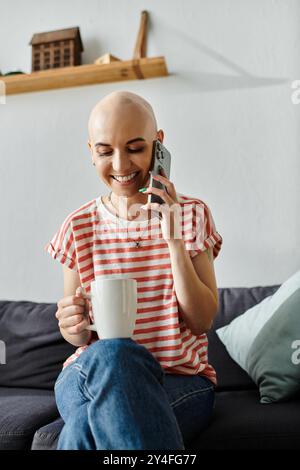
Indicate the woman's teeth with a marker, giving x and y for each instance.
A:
(125, 179)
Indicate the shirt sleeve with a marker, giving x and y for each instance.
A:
(62, 245)
(204, 232)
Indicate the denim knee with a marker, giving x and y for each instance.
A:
(114, 353)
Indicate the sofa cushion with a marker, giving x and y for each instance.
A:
(22, 412)
(260, 341)
(35, 348)
(233, 301)
(230, 376)
(46, 437)
(274, 357)
(240, 421)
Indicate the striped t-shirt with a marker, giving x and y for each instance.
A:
(96, 244)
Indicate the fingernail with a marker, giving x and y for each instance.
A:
(142, 190)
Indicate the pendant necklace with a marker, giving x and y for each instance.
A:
(137, 242)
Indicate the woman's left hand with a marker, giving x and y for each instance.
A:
(170, 211)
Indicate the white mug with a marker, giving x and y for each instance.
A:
(114, 307)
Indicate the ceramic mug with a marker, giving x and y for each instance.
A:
(114, 307)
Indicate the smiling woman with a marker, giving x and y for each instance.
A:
(176, 297)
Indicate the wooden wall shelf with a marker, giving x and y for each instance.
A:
(91, 74)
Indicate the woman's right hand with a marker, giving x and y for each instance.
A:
(73, 312)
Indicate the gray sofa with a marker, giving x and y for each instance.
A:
(35, 351)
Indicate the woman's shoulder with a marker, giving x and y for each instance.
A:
(185, 200)
(195, 206)
(82, 212)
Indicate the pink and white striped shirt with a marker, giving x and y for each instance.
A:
(96, 243)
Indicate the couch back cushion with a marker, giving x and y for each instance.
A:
(233, 302)
(236, 300)
(34, 347)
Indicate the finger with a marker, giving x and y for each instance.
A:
(80, 291)
(70, 321)
(88, 307)
(155, 207)
(162, 178)
(74, 330)
(167, 183)
(72, 310)
(147, 180)
(151, 205)
(161, 193)
(88, 296)
(70, 300)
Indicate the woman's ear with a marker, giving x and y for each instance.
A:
(91, 150)
(160, 135)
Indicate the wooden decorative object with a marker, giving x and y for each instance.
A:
(140, 45)
(106, 59)
(56, 49)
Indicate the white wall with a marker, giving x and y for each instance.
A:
(225, 109)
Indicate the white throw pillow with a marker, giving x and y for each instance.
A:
(239, 335)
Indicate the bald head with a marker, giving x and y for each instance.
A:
(121, 112)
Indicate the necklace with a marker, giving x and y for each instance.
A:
(137, 242)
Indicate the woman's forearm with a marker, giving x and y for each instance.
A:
(196, 302)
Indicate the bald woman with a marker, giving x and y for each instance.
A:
(156, 389)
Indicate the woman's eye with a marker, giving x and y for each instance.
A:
(130, 150)
(136, 150)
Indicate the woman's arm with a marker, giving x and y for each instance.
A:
(195, 287)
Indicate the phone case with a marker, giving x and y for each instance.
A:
(161, 158)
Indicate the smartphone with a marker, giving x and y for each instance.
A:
(161, 159)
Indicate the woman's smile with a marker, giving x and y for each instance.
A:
(126, 180)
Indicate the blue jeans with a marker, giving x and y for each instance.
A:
(117, 396)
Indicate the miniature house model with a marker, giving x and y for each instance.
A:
(54, 49)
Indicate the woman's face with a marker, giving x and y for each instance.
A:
(120, 145)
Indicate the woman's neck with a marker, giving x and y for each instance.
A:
(127, 207)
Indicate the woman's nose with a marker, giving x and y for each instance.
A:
(121, 162)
